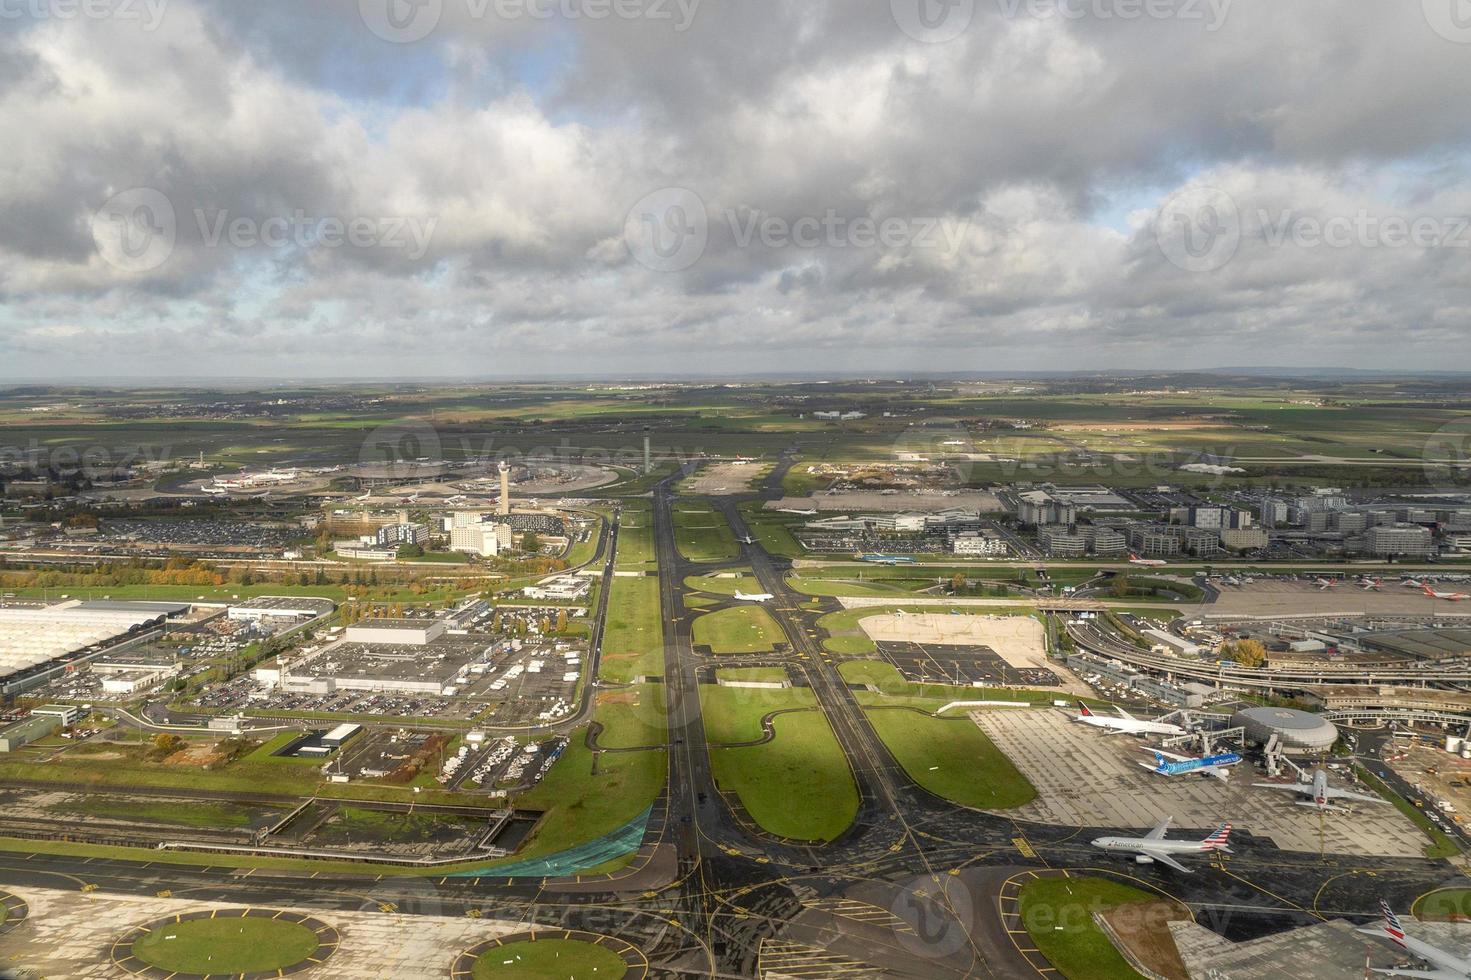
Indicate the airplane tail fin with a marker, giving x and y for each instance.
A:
(1084, 709)
(1220, 840)
(1392, 927)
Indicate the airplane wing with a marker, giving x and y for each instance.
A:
(1123, 714)
(1164, 858)
(1425, 974)
(1289, 787)
(1159, 831)
(1345, 794)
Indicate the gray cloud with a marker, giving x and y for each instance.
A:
(481, 181)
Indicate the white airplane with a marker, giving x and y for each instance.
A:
(1442, 965)
(809, 512)
(1324, 584)
(1126, 723)
(748, 540)
(754, 597)
(1146, 562)
(1153, 847)
(1447, 596)
(1322, 794)
(1370, 584)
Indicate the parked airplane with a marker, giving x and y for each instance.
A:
(1447, 596)
(1169, 764)
(1325, 584)
(1322, 794)
(1154, 847)
(1370, 584)
(1126, 723)
(1442, 965)
(754, 597)
(809, 512)
(1147, 562)
(886, 559)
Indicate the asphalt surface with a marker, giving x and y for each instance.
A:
(910, 890)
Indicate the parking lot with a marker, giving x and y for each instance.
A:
(1087, 779)
(937, 663)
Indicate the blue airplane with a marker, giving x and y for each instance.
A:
(1169, 764)
(886, 559)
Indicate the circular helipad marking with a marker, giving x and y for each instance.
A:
(126, 959)
(631, 955)
(16, 911)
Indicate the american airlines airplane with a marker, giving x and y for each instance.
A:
(1146, 562)
(1447, 596)
(1169, 764)
(1322, 794)
(1153, 847)
(1442, 965)
(754, 597)
(1126, 723)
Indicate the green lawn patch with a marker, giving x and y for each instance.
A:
(798, 785)
(745, 629)
(702, 534)
(632, 718)
(633, 636)
(549, 959)
(723, 585)
(1441, 845)
(765, 675)
(733, 714)
(225, 946)
(1058, 915)
(952, 758)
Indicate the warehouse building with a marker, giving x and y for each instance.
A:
(39, 641)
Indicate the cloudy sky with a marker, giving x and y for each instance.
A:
(301, 188)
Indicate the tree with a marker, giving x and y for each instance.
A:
(530, 541)
(1247, 653)
(411, 551)
(959, 583)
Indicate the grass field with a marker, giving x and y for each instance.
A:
(772, 531)
(952, 758)
(636, 535)
(722, 585)
(797, 785)
(225, 946)
(746, 629)
(1058, 915)
(549, 959)
(632, 718)
(199, 813)
(1445, 905)
(733, 714)
(633, 637)
(702, 534)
